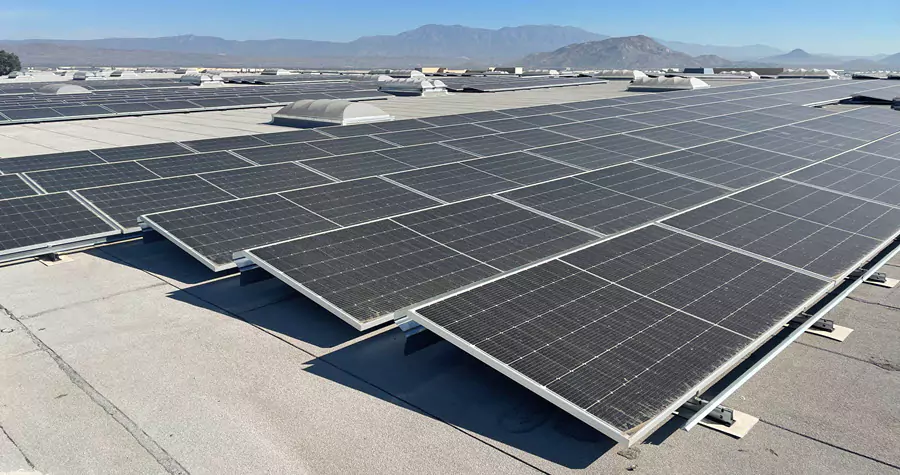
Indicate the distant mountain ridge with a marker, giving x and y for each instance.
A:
(433, 41)
(630, 52)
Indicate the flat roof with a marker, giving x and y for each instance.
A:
(135, 358)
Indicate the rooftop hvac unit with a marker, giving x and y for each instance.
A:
(644, 83)
(615, 74)
(83, 75)
(275, 72)
(320, 112)
(413, 86)
(808, 74)
(62, 89)
(187, 71)
(203, 80)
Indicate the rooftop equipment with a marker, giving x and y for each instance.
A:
(320, 112)
(644, 83)
(62, 89)
(417, 85)
(809, 74)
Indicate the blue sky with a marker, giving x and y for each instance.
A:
(815, 25)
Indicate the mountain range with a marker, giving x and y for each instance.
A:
(447, 45)
(630, 52)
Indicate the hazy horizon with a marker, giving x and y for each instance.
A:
(805, 24)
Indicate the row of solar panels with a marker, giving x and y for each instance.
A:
(31, 87)
(620, 332)
(172, 166)
(514, 83)
(362, 270)
(257, 98)
(500, 122)
(102, 97)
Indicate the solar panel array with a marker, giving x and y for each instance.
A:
(614, 257)
(511, 83)
(21, 106)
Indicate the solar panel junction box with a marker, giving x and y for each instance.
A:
(720, 415)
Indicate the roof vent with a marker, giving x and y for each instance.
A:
(645, 83)
(615, 74)
(83, 75)
(61, 89)
(315, 113)
(412, 86)
(808, 74)
(203, 80)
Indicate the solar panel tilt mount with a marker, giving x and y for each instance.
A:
(719, 415)
(821, 324)
(417, 337)
(250, 272)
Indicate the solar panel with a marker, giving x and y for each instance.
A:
(507, 125)
(351, 145)
(443, 120)
(748, 121)
(294, 136)
(669, 136)
(282, 153)
(75, 111)
(889, 147)
(32, 113)
(486, 146)
(255, 181)
(795, 113)
(494, 232)
(364, 273)
(665, 117)
(581, 130)
(536, 137)
(591, 114)
(73, 178)
(522, 168)
(173, 106)
(357, 165)
(139, 152)
(484, 115)
(224, 143)
(192, 164)
(426, 155)
(783, 144)
(130, 107)
(582, 155)
(350, 130)
(703, 167)
(616, 125)
(616, 198)
(545, 120)
(752, 157)
(613, 333)
(44, 220)
(48, 161)
(214, 232)
(124, 203)
(850, 127)
(359, 201)
(461, 131)
(632, 146)
(815, 247)
(412, 137)
(401, 125)
(453, 182)
(12, 186)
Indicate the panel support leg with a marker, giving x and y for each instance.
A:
(824, 328)
(417, 336)
(721, 419)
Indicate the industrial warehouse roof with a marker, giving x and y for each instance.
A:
(139, 358)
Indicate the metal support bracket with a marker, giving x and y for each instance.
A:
(719, 415)
(417, 336)
(822, 324)
(250, 272)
